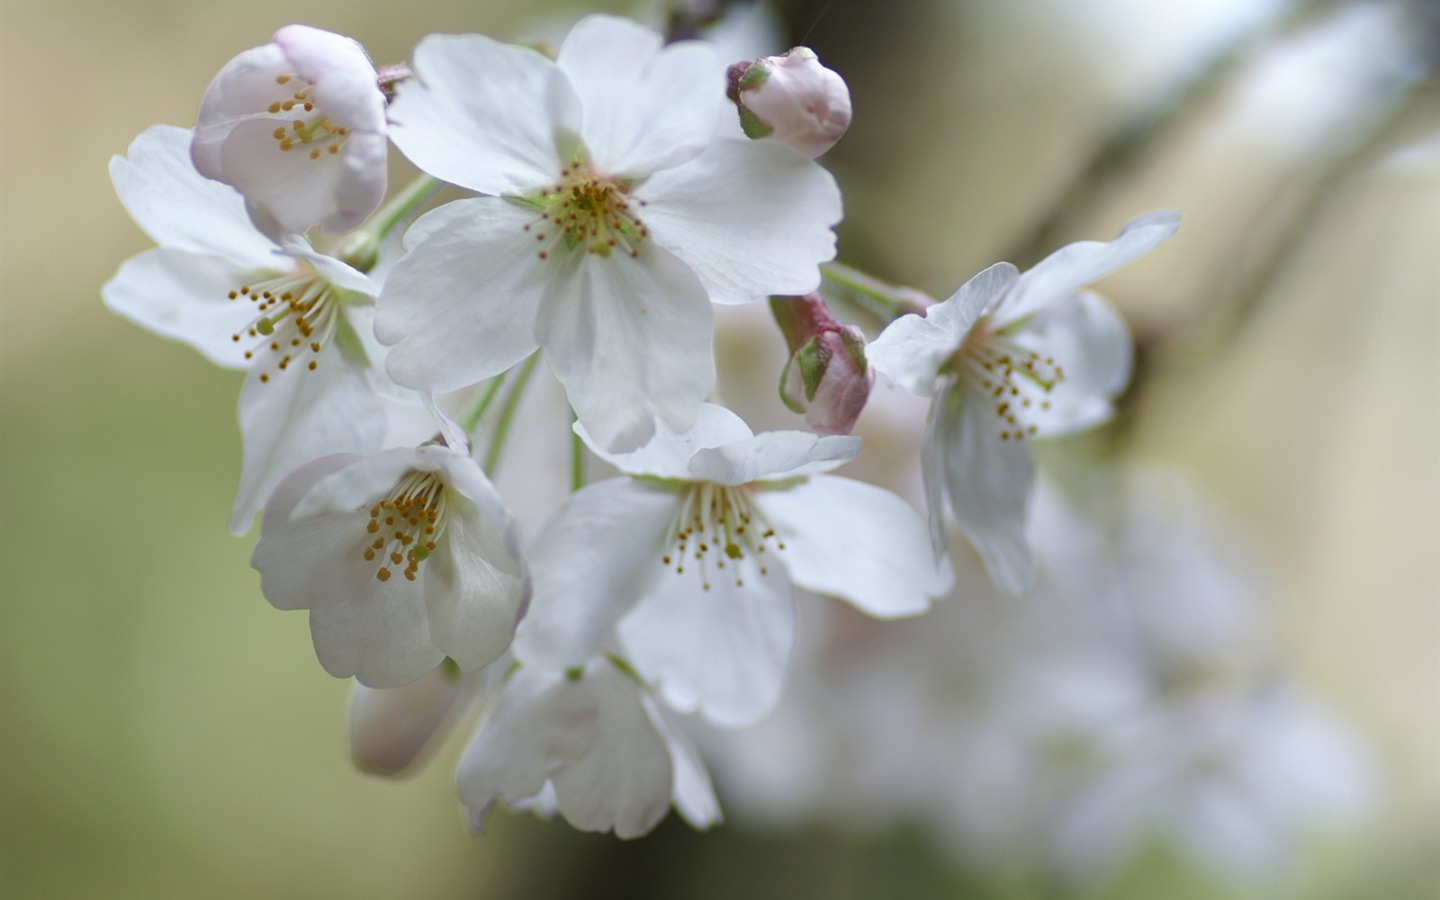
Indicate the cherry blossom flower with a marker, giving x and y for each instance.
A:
(692, 561)
(588, 744)
(299, 321)
(792, 99)
(404, 558)
(613, 218)
(297, 126)
(1007, 358)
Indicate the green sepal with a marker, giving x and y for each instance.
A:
(813, 359)
(752, 126)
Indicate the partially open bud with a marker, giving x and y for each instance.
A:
(391, 728)
(827, 377)
(793, 99)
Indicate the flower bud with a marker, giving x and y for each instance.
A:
(792, 99)
(827, 377)
(390, 728)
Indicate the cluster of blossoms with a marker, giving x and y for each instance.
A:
(614, 196)
(1132, 696)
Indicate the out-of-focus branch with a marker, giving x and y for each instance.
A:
(1392, 104)
(1138, 135)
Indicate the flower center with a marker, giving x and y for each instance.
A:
(295, 315)
(586, 209)
(1019, 380)
(315, 132)
(406, 523)
(717, 523)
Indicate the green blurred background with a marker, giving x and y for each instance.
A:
(166, 733)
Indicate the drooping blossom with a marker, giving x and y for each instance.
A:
(300, 322)
(1010, 357)
(404, 558)
(297, 126)
(692, 561)
(588, 744)
(792, 99)
(613, 217)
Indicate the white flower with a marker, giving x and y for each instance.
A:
(404, 558)
(792, 99)
(297, 127)
(705, 547)
(300, 322)
(588, 744)
(614, 218)
(1006, 358)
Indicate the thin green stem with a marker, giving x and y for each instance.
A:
(472, 415)
(362, 249)
(577, 461)
(507, 414)
(885, 301)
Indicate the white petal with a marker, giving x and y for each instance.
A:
(341, 72)
(1072, 267)
(693, 794)
(1092, 345)
(855, 541)
(589, 736)
(185, 296)
(331, 269)
(285, 192)
(358, 486)
(668, 453)
(932, 468)
(461, 306)
(488, 116)
(476, 588)
(242, 90)
(590, 563)
(912, 349)
(721, 651)
(989, 482)
(750, 217)
(773, 455)
(380, 636)
(630, 338)
(180, 208)
(314, 561)
(646, 108)
(288, 192)
(624, 781)
(298, 415)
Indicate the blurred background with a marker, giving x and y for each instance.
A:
(166, 733)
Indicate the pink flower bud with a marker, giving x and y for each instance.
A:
(792, 99)
(827, 377)
(391, 728)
